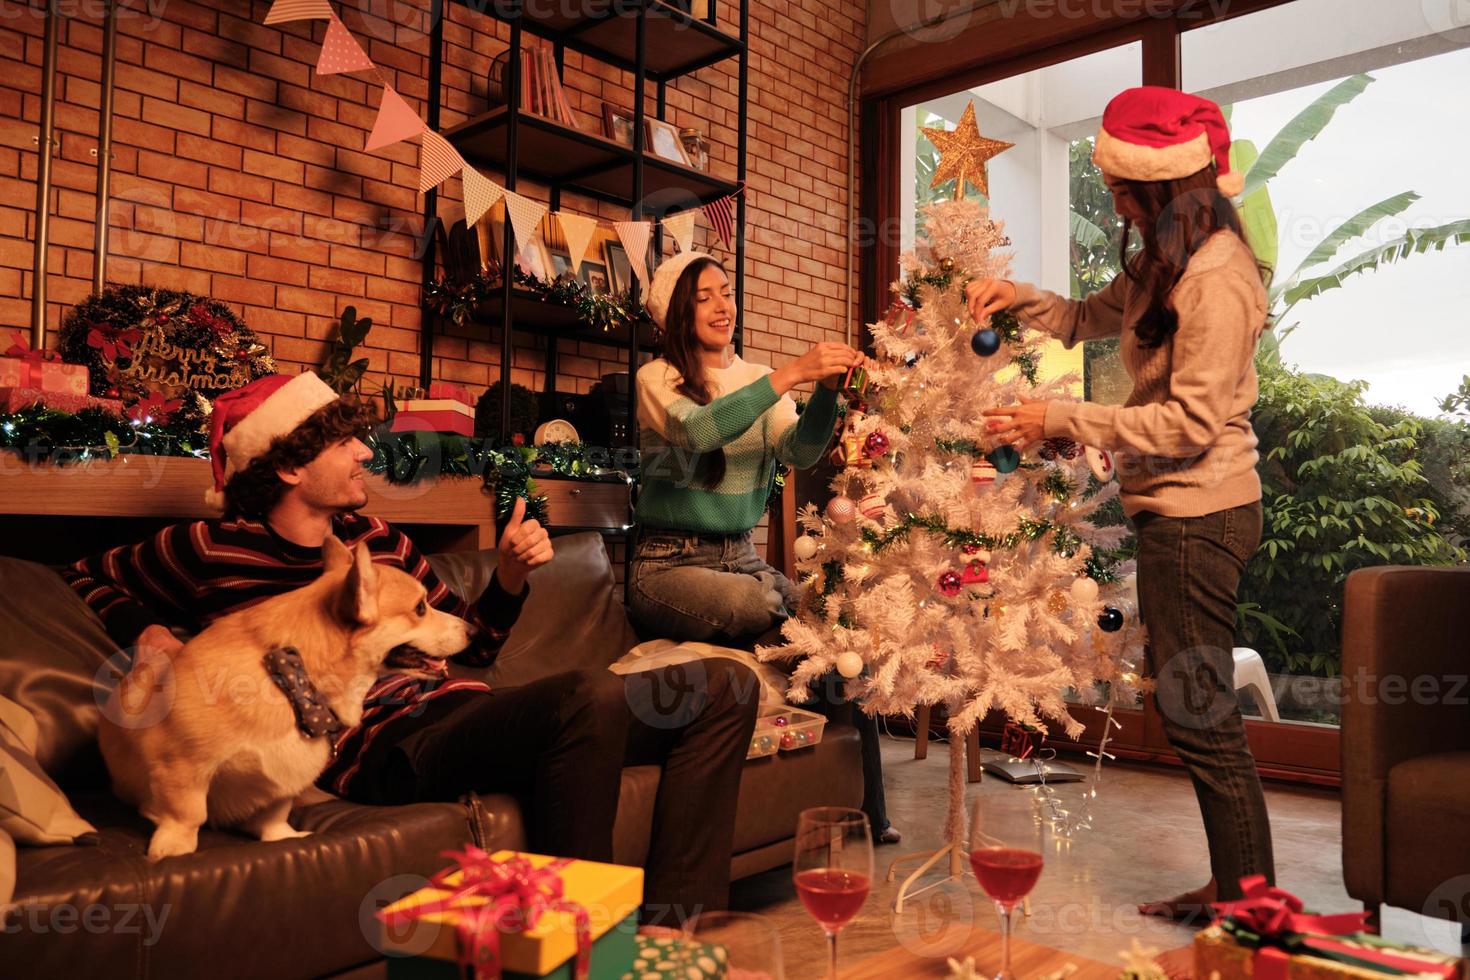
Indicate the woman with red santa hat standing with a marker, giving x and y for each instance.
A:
(1188, 308)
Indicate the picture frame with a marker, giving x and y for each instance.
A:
(561, 263)
(617, 124)
(662, 140)
(619, 269)
(594, 276)
(535, 260)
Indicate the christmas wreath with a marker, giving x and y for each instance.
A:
(175, 351)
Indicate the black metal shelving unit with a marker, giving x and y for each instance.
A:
(657, 43)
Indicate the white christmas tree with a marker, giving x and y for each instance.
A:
(946, 570)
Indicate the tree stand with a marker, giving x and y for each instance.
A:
(954, 832)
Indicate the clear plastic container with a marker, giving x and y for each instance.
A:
(783, 729)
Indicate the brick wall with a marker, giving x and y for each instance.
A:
(238, 171)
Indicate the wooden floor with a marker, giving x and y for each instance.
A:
(1146, 842)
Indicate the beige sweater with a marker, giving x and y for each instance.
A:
(1183, 441)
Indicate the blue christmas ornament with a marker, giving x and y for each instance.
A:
(1110, 620)
(985, 342)
(1005, 459)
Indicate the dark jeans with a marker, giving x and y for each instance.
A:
(1188, 572)
(561, 744)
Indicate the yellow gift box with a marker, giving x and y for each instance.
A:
(1218, 955)
(609, 893)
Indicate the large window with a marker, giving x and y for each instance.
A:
(1059, 225)
(1350, 120)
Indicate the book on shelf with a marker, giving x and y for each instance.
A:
(541, 88)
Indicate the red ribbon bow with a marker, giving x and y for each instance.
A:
(21, 348)
(517, 893)
(1275, 915)
(1272, 912)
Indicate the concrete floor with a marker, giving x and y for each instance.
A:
(1146, 843)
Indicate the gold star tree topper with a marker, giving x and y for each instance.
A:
(963, 153)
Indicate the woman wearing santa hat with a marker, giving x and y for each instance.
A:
(1188, 308)
(712, 429)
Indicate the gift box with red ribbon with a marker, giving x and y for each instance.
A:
(1266, 935)
(15, 399)
(43, 370)
(448, 415)
(515, 915)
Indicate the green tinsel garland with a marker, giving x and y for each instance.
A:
(43, 435)
(1065, 541)
(46, 435)
(458, 300)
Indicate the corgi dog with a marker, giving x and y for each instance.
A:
(218, 739)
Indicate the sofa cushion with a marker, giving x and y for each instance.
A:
(1427, 801)
(33, 809)
(55, 664)
(572, 620)
(243, 907)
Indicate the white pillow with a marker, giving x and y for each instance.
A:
(662, 653)
(33, 809)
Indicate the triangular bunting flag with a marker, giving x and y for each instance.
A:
(721, 215)
(525, 217)
(578, 230)
(634, 235)
(340, 51)
(438, 161)
(681, 226)
(480, 195)
(283, 11)
(396, 121)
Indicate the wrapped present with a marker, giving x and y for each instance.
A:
(670, 958)
(1020, 741)
(22, 367)
(1267, 936)
(855, 384)
(515, 915)
(447, 415)
(453, 392)
(15, 399)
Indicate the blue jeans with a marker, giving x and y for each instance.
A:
(1188, 572)
(704, 587)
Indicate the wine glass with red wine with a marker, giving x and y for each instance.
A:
(1007, 840)
(833, 868)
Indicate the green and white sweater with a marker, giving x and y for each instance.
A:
(755, 426)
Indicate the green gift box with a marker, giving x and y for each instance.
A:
(661, 958)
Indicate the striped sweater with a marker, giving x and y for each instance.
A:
(189, 575)
(747, 419)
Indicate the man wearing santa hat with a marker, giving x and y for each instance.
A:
(288, 472)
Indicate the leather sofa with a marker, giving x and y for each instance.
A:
(1406, 740)
(303, 908)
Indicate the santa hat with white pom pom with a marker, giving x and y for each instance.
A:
(248, 420)
(1156, 133)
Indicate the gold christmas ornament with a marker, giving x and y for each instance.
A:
(1056, 602)
(963, 154)
(946, 266)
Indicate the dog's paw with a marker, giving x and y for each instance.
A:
(173, 841)
(282, 831)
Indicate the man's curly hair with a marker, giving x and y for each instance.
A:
(253, 491)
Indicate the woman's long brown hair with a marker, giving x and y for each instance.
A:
(1180, 216)
(681, 350)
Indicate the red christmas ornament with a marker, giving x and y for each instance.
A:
(949, 583)
(976, 573)
(875, 445)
